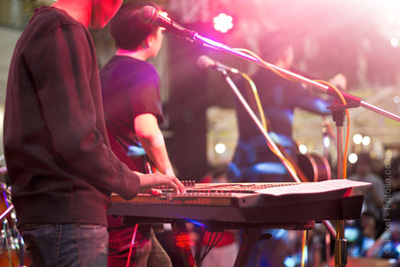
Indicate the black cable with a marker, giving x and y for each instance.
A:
(198, 250)
(211, 244)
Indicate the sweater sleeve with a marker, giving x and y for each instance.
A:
(70, 98)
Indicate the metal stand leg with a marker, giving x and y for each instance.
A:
(340, 246)
(250, 237)
(341, 242)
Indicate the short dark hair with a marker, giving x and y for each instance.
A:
(128, 29)
(273, 44)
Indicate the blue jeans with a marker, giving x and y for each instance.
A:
(66, 244)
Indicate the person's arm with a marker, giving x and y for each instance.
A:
(152, 140)
(376, 250)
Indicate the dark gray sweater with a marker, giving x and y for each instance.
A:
(58, 157)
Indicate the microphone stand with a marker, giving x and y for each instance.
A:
(340, 242)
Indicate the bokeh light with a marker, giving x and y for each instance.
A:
(223, 23)
(366, 140)
(352, 158)
(357, 139)
(220, 148)
(303, 149)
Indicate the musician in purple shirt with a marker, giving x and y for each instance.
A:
(132, 106)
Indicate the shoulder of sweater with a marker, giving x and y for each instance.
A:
(48, 19)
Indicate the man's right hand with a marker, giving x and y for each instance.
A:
(149, 181)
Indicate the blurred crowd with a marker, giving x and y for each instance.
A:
(377, 233)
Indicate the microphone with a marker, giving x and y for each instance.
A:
(206, 62)
(150, 15)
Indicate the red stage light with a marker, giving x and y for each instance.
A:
(183, 240)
